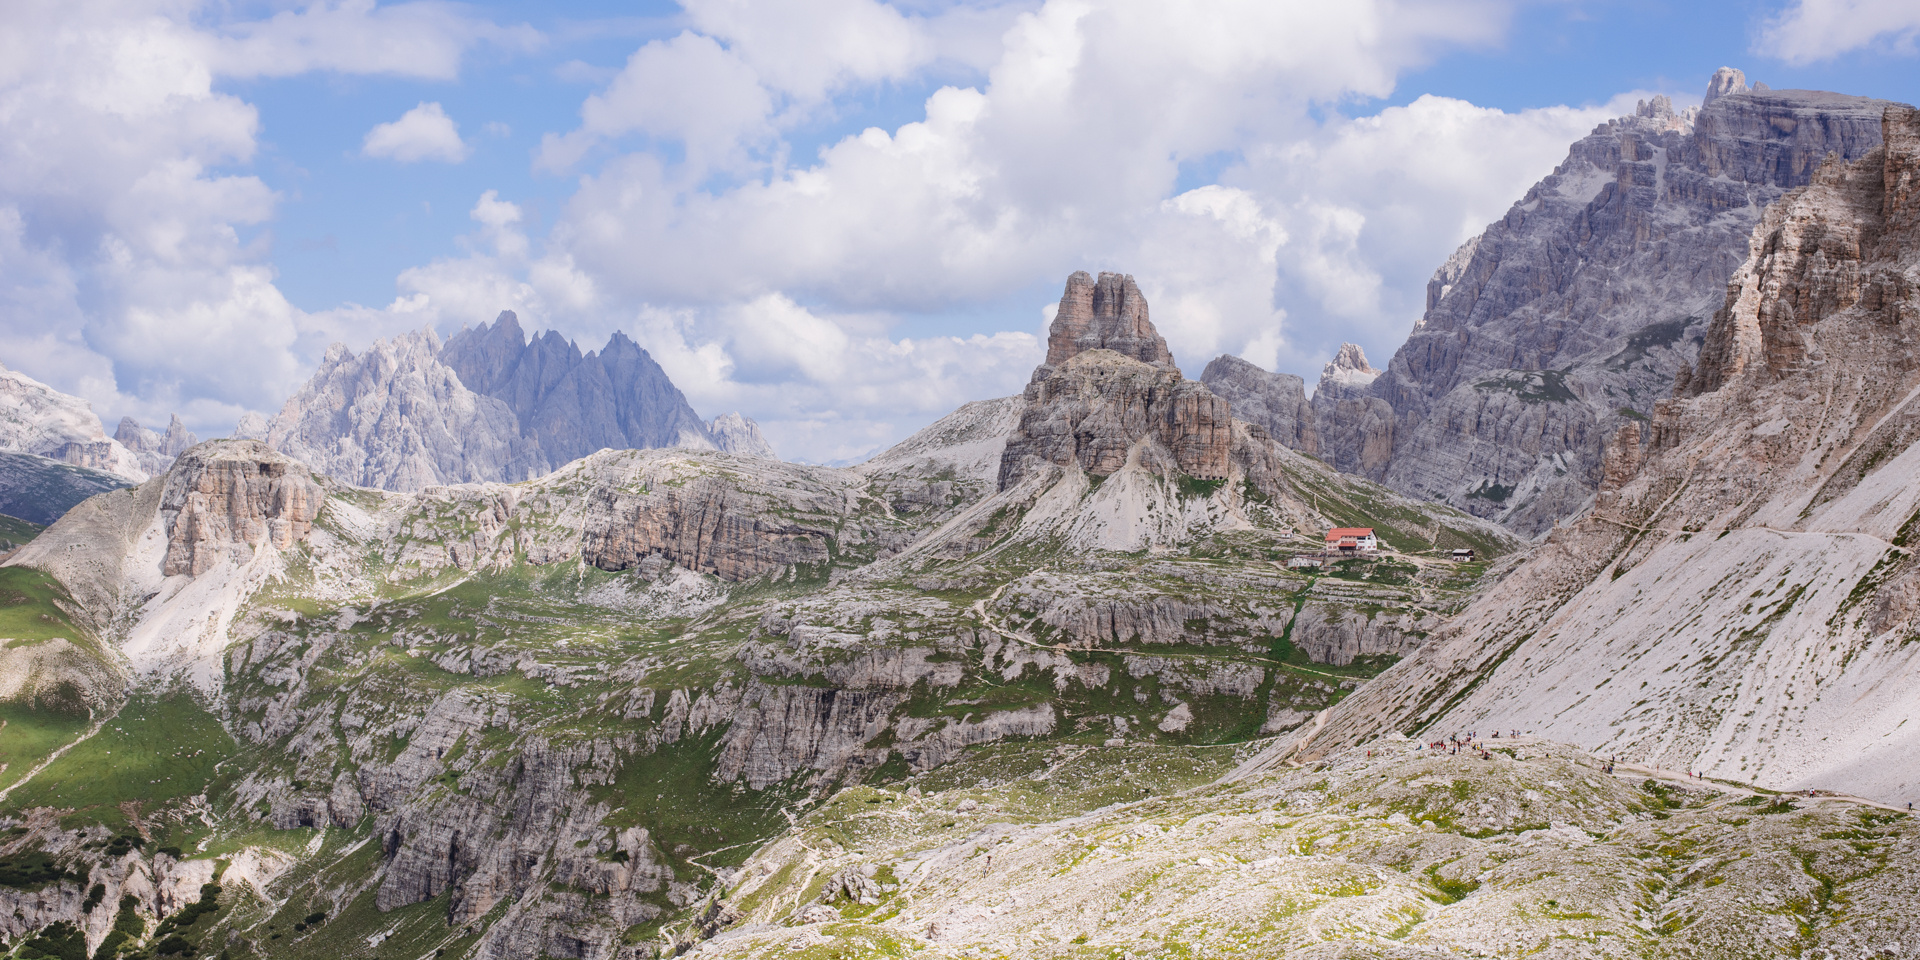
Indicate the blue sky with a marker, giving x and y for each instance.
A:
(186, 227)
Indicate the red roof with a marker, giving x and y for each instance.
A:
(1338, 533)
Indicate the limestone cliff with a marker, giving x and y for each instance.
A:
(1275, 401)
(1744, 596)
(232, 497)
(1572, 314)
(1105, 314)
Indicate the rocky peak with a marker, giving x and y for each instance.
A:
(1348, 370)
(37, 419)
(571, 404)
(1572, 315)
(1105, 314)
(1725, 81)
(155, 450)
(740, 436)
(1813, 256)
(224, 498)
(252, 426)
(397, 418)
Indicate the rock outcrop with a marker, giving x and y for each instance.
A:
(1572, 315)
(396, 418)
(1109, 383)
(37, 419)
(226, 498)
(1743, 599)
(1092, 409)
(155, 450)
(1275, 401)
(708, 526)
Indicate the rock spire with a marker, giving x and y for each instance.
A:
(1109, 383)
(1105, 314)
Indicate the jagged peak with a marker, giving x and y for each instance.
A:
(1109, 313)
(1348, 367)
(1725, 82)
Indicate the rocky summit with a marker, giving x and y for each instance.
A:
(1570, 316)
(1742, 598)
(1109, 395)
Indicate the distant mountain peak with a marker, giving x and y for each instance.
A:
(1348, 368)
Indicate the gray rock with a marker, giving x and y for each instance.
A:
(740, 436)
(397, 418)
(571, 404)
(1571, 315)
(155, 450)
(41, 490)
(1276, 401)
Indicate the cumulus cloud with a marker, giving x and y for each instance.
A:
(126, 274)
(423, 39)
(423, 133)
(1815, 30)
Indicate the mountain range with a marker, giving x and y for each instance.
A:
(1068, 674)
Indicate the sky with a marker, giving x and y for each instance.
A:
(842, 218)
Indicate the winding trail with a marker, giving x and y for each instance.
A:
(61, 751)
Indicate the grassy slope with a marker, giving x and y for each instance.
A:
(157, 749)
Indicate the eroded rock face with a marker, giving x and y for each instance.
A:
(1572, 315)
(1105, 314)
(225, 498)
(708, 526)
(1339, 634)
(1357, 427)
(1092, 411)
(1741, 600)
(1108, 384)
(1275, 401)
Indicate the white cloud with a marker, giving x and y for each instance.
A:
(127, 275)
(688, 89)
(786, 289)
(419, 39)
(1066, 157)
(807, 48)
(423, 133)
(1815, 30)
